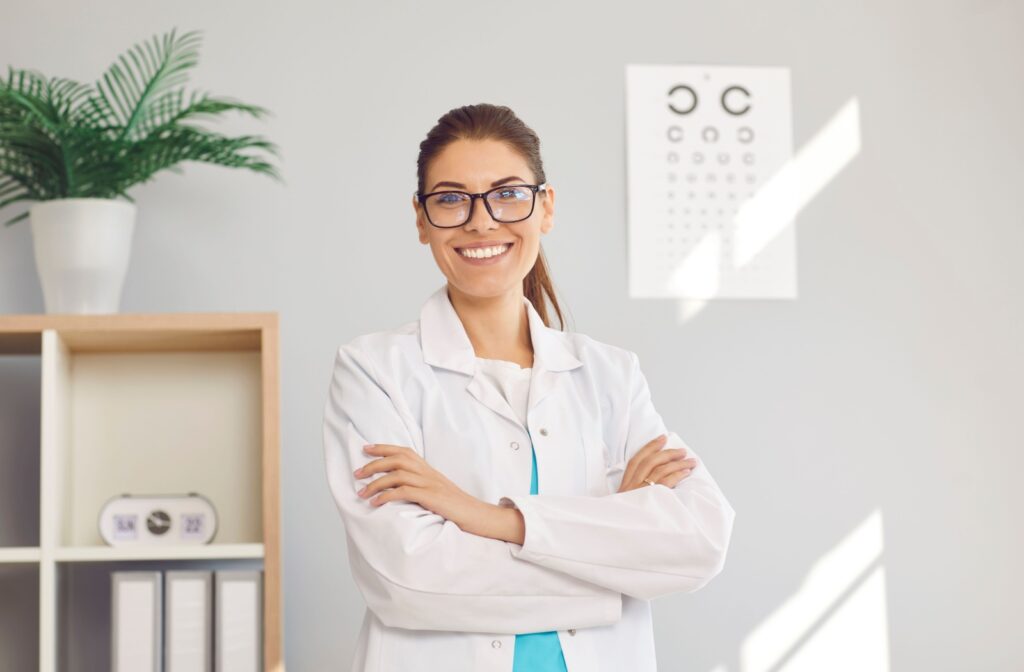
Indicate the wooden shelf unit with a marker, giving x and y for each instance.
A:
(148, 404)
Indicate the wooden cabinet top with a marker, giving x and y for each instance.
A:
(147, 332)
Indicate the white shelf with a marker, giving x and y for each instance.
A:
(93, 407)
(19, 554)
(204, 552)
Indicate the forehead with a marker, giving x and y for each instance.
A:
(476, 163)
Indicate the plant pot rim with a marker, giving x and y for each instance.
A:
(82, 199)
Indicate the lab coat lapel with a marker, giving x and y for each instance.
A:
(491, 398)
(446, 345)
(551, 356)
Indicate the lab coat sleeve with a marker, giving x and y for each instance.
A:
(416, 569)
(646, 542)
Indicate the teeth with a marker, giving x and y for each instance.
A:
(483, 252)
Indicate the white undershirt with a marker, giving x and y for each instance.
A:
(512, 380)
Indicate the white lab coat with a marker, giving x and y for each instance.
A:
(439, 598)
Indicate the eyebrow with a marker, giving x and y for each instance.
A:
(462, 186)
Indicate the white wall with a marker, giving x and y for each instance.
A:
(867, 433)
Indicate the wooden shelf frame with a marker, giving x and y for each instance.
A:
(57, 338)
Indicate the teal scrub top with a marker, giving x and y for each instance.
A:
(538, 651)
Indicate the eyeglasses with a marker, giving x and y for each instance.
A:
(507, 204)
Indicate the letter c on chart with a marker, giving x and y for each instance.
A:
(725, 104)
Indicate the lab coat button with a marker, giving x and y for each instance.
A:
(496, 643)
(572, 631)
(514, 445)
(543, 431)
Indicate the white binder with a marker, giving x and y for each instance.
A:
(136, 623)
(238, 608)
(188, 621)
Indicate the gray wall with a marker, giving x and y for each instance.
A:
(889, 392)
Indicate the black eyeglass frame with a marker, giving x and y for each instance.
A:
(483, 196)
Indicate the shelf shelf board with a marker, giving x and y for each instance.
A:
(137, 332)
(204, 552)
(19, 554)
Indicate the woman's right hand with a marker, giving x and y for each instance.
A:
(667, 467)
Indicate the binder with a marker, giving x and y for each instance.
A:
(238, 618)
(136, 623)
(188, 621)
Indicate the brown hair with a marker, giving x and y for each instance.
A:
(495, 122)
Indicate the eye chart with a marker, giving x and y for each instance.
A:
(703, 144)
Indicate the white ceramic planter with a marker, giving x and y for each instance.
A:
(82, 247)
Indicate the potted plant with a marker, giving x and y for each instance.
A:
(75, 149)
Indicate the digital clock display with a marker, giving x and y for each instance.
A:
(126, 526)
(193, 526)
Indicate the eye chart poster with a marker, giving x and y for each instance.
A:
(703, 145)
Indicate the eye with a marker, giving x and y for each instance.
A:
(512, 194)
(448, 199)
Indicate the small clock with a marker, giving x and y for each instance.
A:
(158, 520)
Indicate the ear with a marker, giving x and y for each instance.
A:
(548, 204)
(421, 225)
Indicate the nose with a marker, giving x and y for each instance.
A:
(480, 219)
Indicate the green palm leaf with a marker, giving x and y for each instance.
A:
(60, 138)
(132, 85)
(172, 109)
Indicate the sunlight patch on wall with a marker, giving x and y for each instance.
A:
(836, 621)
(773, 207)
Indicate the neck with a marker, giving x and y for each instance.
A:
(497, 326)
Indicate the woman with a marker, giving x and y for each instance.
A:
(511, 498)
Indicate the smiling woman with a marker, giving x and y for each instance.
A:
(512, 498)
(494, 158)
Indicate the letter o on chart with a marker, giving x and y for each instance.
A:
(681, 99)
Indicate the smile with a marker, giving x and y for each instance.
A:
(484, 255)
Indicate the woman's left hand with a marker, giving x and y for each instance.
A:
(406, 475)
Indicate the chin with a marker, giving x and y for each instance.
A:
(485, 288)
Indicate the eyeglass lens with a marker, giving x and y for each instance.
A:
(507, 204)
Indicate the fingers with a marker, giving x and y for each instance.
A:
(376, 466)
(405, 492)
(674, 479)
(669, 456)
(668, 467)
(388, 449)
(672, 468)
(393, 479)
(395, 459)
(650, 447)
(653, 445)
